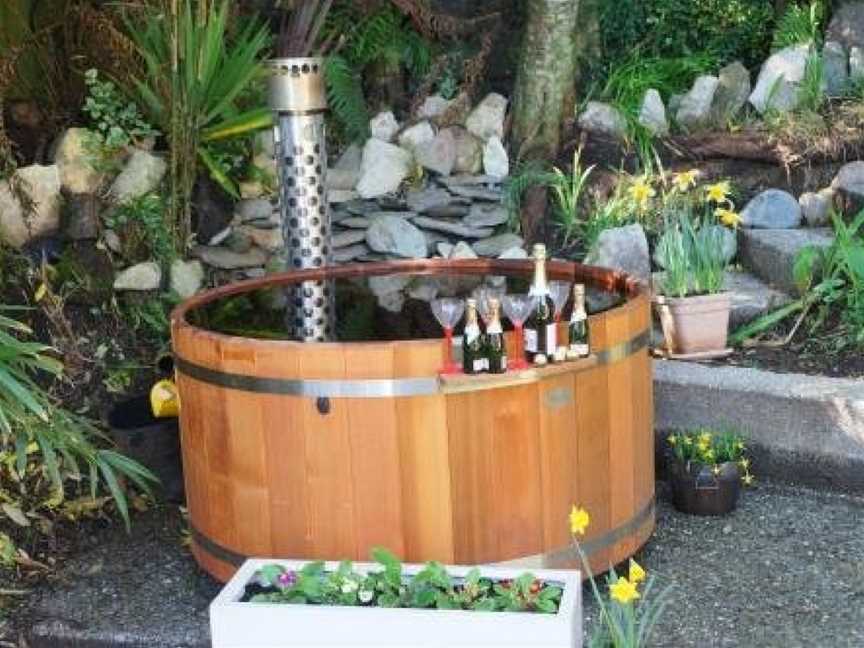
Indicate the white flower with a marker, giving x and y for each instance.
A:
(365, 595)
(349, 586)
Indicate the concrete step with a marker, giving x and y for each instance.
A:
(751, 298)
(770, 254)
(804, 428)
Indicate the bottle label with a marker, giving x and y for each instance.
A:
(551, 338)
(580, 349)
(531, 340)
(480, 364)
(471, 334)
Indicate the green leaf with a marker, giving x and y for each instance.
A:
(15, 514)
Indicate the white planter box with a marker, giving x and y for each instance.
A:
(263, 625)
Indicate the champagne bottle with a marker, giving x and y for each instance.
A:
(578, 326)
(540, 328)
(496, 351)
(473, 358)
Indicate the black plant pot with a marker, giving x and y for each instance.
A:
(697, 490)
(153, 442)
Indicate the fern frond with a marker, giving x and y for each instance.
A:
(345, 96)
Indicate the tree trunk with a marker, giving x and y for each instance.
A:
(545, 86)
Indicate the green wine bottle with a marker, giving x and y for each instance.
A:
(578, 326)
(496, 350)
(473, 358)
(540, 328)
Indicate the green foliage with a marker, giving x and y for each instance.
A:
(709, 447)
(692, 256)
(150, 318)
(116, 121)
(43, 445)
(140, 225)
(389, 587)
(799, 25)
(568, 190)
(725, 29)
(383, 38)
(813, 85)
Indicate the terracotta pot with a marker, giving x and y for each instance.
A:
(698, 490)
(695, 324)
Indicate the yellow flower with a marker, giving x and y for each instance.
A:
(709, 455)
(718, 193)
(672, 439)
(716, 471)
(703, 445)
(637, 574)
(641, 193)
(728, 217)
(686, 179)
(688, 440)
(748, 479)
(624, 591)
(740, 445)
(579, 520)
(705, 438)
(745, 464)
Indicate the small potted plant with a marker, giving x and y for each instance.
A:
(707, 469)
(692, 302)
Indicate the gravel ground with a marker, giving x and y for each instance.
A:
(787, 569)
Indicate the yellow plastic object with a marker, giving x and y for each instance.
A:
(164, 400)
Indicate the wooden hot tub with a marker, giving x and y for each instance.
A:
(328, 450)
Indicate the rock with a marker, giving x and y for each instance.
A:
(728, 237)
(384, 126)
(433, 239)
(604, 119)
(252, 189)
(462, 250)
(388, 284)
(384, 168)
(434, 106)
(849, 187)
(694, 113)
(622, 248)
(225, 259)
(496, 245)
(835, 69)
(772, 209)
(487, 119)
(79, 216)
(238, 241)
(478, 193)
(396, 236)
(339, 196)
(253, 210)
(425, 200)
(458, 229)
(140, 277)
(424, 288)
(856, 64)
(779, 82)
(732, 92)
(221, 237)
(416, 135)
(348, 254)
(265, 143)
(444, 249)
(438, 154)
(394, 302)
(500, 281)
(42, 186)
(652, 114)
(187, 277)
(484, 215)
(141, 175)
(112, 241)
(816, 207)
(469, 151)
(847, 25)
(467, 180)
(675, 103)
(459, 210)
(356, 222)
(74, 159)
(496, 163)
(345, 174)
(348, 238)
(266, 239)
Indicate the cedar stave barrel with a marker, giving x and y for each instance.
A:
(465, 470)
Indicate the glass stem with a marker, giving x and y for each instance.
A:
(448, 352)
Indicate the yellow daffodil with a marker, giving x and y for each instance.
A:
(745, 464)
(642, 193)
(718, 193)
(637, 574)
(579, 521)
(686, 179)
(748, 479)
(705, 438)
(672, 439)
(728, 217)
(740, 445)
(624, 591)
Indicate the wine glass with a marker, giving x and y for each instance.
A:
(448, 311)
(560, 293)
(484, 296)
(517, 309)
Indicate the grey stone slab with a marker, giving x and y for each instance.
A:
(450, 227)
(770, 254)
(477, 193)
(751, 298)
(791, 414)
